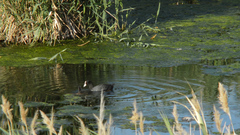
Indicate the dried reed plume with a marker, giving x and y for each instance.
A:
(7, 110)
(49, 122)
(217, 119)
(223, 100)
(83, 130)
(178, 125)
(33, 123)
(103, 128)
(135, 115)
(23, 114)
(60, 132)
(196, 111)
(195, 102)
(141, 123)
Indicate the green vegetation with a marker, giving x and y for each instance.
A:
(210, 38)
(31, 21)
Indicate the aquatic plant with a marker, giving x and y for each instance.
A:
(54, 57)
(140, 30)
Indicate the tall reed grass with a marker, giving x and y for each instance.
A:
(104, 127)
(31, 21)
(196, 111)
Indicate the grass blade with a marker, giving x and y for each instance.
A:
(167, 123)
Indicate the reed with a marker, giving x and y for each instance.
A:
(223, 100)
(83, 130)
(177, 124)
(49, 122)
(7, 110)
(33, 123)
(196, 112)
(47, 21)
(167, 123)
(217, 119)
(198, 115)
(135, 116)
(23, 114)
(137, 119)
(103, 128)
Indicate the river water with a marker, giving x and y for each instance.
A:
(154, 89)
(196, 52)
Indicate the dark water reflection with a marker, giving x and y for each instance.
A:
(154, 88)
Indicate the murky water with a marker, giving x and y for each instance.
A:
(154, 88)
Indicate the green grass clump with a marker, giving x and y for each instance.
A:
(31, 21)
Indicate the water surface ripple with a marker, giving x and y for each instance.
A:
(153, 88)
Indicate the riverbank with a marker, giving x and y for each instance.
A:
(202, 37)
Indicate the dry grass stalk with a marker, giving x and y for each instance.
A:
(196, 111)
(101, 126)
(103, 129)
(23, 114)
(141, 123)
(110, 122)
(195, 102)
(175, 114)
(32, 126)
(223, 100)
(217, 119)
(178, 125)
(48, 122)
(7, 110)
(83, 130)
(135, 116)
(228, 130)
(60, 130)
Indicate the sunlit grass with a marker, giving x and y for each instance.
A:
(198, 115)
(104, 127)
(28, 22)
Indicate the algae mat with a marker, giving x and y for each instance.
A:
(193, 38)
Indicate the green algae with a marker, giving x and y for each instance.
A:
(71, 110)
(37, 104)
(193, 39)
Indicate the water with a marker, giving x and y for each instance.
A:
(153, 88)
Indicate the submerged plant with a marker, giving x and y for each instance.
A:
(52, 58)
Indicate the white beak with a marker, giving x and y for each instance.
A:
(85, 84)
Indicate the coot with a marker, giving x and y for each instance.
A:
(86, 92)
(100, 87)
